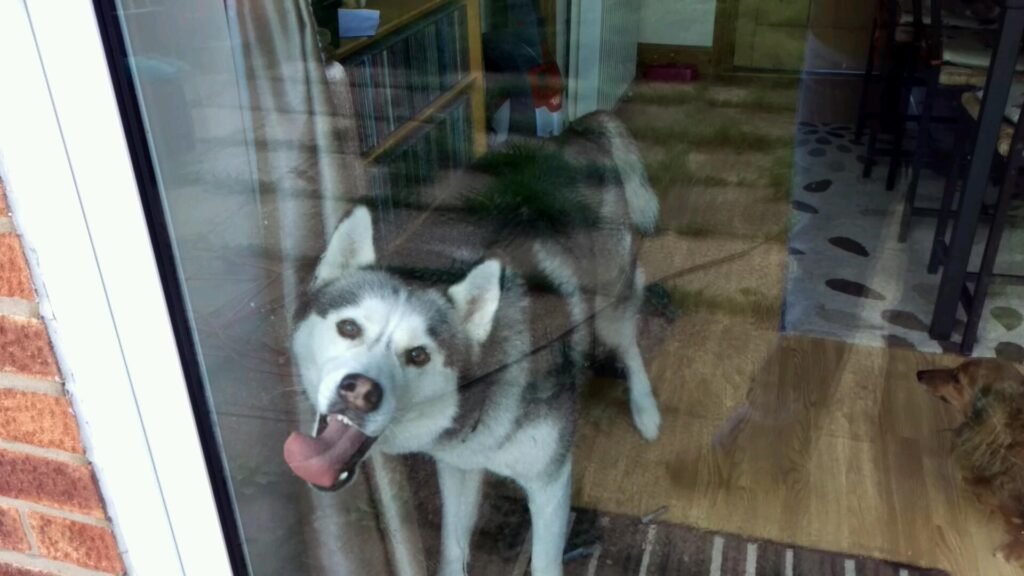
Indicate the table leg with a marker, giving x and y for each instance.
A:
(990, 119)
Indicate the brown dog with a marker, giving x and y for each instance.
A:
(988, 394)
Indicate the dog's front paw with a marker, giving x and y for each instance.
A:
(646, 417)
(546, 570)
(451, 569)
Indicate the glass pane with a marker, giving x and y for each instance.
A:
(599, 286)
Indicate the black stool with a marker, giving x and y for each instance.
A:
(973, 302)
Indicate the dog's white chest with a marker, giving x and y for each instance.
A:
(524, 455)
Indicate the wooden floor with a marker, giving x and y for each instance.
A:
(797, 440)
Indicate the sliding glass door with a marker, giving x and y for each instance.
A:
(511, 286)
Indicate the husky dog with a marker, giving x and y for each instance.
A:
(482, 375)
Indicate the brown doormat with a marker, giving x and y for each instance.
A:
(602, 544)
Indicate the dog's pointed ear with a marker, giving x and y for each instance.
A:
(351, 247)
(476, 300)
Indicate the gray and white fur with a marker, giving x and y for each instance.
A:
(499, 393)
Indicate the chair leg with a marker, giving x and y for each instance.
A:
(949, 193)
(869, 153)
(920, 151)
(865, 88)
(892, 84)
(905, 88)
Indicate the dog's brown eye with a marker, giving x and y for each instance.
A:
(349, 329)
(417, 356)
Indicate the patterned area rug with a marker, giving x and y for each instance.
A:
(602, 544)
(850, 279)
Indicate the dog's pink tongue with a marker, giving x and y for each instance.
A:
(320, 460)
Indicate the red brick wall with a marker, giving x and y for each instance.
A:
(52, 519)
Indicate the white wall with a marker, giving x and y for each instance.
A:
(678, 22)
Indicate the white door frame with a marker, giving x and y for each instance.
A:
(585, 57)
(72, 188)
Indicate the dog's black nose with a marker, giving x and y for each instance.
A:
(920, 375)
(360, 392)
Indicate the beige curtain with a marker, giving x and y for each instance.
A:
(304, 151)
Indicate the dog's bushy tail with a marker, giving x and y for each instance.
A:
(641, 200)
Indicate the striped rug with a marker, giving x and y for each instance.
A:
(614, 545)
(628, 546)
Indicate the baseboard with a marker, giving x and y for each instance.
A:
(661, 54)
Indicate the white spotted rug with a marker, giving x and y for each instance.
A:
(850, 279)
